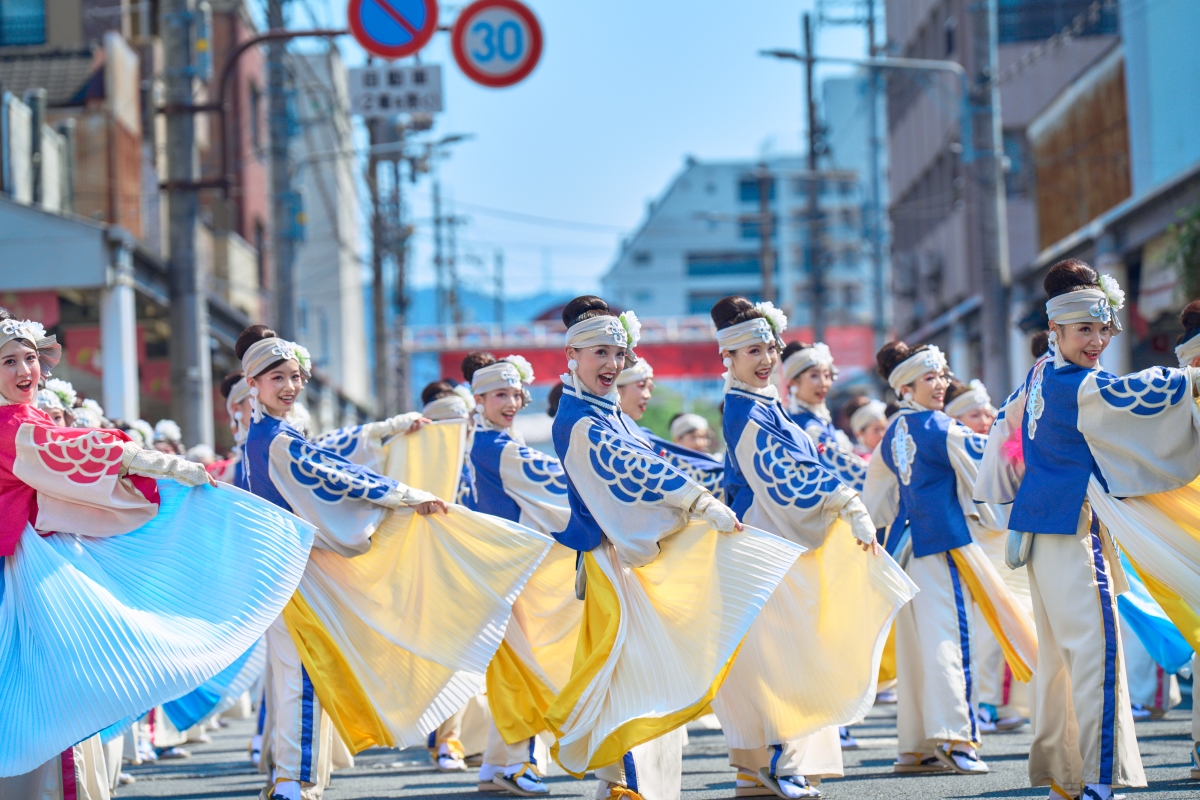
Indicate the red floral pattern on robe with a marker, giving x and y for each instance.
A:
(66, 479)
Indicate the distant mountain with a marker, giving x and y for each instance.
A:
(479, 307)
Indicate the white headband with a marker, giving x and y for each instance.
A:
(799, 361)
(501, 375)
(49, 401)
(637, 373)
(266, 352)
(1089, 305)
(968, 401)
(449, 407)
(913, 367)
(687, 423)
(623, 332)
(48, 349)
(864, 416)
(1188, 350)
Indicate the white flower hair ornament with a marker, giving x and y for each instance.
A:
(144, 431)
(774, 317)
(93, 406)
(632, 326)
(168, 430)
(1113, 291)
(303, 358)
(24, 328)
(65, 391)
(524, 368)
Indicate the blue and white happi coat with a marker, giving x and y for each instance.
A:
(516, 482)
(634, 498)
(927, 463)
(704, 468)
(774, 477)
(833, 446)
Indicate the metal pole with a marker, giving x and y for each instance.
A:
(812, 248)
(875, 218)
(498, 263)
(765, 219)
(281, 185)
(191, 359)
(439, 262)
(452, 270)
(400, 248)
(992, 223)
(379, 326)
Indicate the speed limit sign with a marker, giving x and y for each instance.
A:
(497, 42)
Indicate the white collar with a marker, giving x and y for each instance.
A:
(770, 391)
(820, 411)
(913, 405)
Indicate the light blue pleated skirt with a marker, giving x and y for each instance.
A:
(96, 630)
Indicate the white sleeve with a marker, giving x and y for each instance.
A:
(881, 491)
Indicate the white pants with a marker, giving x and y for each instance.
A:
(527, 751)
(301, 734)
(1083, 731)
(934, 667)
(78, 772)
(654, 769)
(815, 756)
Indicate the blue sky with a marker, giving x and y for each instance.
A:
(624, 91)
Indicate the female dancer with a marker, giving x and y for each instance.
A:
(868, 422)
(970, 404)
(335, 652)
(635, 387)
(102, 562)
(518, 483)
(776, 482)
(1068, 442)
(691, 431)
(810, 373)
(927, 463)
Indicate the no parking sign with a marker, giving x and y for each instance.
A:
(496, 42)
(392, 29)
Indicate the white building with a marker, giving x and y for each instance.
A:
(328, 272)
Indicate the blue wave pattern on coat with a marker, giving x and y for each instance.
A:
(631, 477)
(96, 630)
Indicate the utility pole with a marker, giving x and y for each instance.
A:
(766, 253)
(813, 255)
(191, 359)
(282, 211)
(498, 268)
(452, 270)
(990, 209)
(875, 224)
(439, 261)
(400, 251)
(378, 316)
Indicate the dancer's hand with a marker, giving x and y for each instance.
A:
(417, 424)
(434, 506)
(717, 514)
(854, 514)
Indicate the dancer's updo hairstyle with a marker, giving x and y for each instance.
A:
(436, 391)
(1040, 344)
(792, 348)
(255, 333)
(1191, 322)
(956, 389)
(228, 382)
(475, 362)
(584, 308)
(1070, 275)
(892, 354)
(729, 311)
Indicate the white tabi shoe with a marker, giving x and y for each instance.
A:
(748, 785)
(963, 763)
(847, 741)
(523, 782)
(789, 787)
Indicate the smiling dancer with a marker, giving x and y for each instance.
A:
(1069, 442)
(518, 483)
(868, 422)
(927, 464)
(102, 548)
(635, 387)
(776, 482)
(810, 373)
(335, 651)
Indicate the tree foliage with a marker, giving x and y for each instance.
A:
(1184, 253)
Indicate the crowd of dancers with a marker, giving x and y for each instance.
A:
(431, 579)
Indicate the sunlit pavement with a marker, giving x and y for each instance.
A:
(222, 770)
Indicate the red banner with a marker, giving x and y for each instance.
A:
(852, 346)
(38, 306)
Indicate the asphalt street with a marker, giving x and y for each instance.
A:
(222, 770)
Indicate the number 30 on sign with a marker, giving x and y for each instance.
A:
(497, 42)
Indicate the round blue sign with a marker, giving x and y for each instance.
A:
(392, 29)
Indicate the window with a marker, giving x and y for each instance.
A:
(748, 190)
(707, 264)
(260, 248)
(22, 22)
(642, 258)
(750, 227)
(951, 28)
(643, 296)
(702, 302)
(255, 118)
(851, 295)
(1034, 20)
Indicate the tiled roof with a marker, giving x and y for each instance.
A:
(63, 75)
